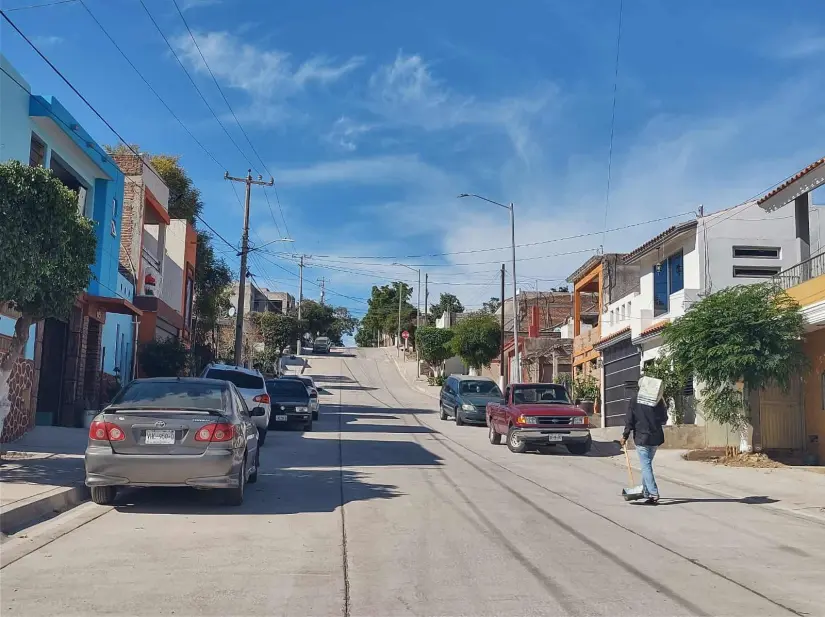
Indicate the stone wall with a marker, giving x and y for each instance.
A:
(22, 395)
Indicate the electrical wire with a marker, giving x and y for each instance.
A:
(613, 119)
(39, 6)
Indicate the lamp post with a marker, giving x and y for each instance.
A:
(418, 311)
(515, 300)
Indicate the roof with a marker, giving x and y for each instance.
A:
(653, 330)
(200, 380)
(472, 378)
(604, 341)
(668, 234)
(588, 265)
(791, 180)
(239, 369)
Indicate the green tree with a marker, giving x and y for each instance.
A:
(163, 358)
(382, 314)
(433, 345)
(491, 306)
(278, 332)
(344, 324)
(447, 303)
(673, 385)
(477, 340)
(212, 280)
(46, 250)
(750, 335)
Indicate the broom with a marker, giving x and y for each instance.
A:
(631, 493)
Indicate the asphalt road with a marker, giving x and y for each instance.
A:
(386, 510)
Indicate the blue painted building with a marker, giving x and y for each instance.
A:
(67, 356)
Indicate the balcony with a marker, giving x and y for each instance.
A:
(802, 272)
(584, 342)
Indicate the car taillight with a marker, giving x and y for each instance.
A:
(215, 432)
(261, 398)
(106, 431)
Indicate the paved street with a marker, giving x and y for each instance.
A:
(386, 510)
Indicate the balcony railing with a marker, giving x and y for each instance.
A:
(801, 272)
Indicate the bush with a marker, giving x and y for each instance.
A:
(436, 380)
(163, 358)
(586, 388)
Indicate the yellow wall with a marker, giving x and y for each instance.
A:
(814, 413)
(809, 292)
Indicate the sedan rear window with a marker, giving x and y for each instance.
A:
(170, 395)
(286, 387)
(244, 381)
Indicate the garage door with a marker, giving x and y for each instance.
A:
(621, 365)
(781, 418)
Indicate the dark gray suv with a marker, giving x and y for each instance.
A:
(465, 398)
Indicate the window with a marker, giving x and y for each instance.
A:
(755, 272)
(244, 381)
(37, 152)
(170, 395)
(487, 388)
(540, 393)
(187, 307)
(287, 388)
(660, 295)
(757, 252)
(629, 308)
(676, 272)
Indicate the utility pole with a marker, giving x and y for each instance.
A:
(243, 254)
(322, 281)
(426, 299)
(398, 337)
(300, 302)
(501, 372)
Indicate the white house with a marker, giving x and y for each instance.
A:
(738, 246)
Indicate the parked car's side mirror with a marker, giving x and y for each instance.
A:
(258, 411)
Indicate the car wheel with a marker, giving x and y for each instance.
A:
(579, 449)
(234, 496)
(442, 414)
(104, 495)
(314, 415)
(459, 421)
(308, 427)
(514, 442)
(253, 477)
(495, 438)
(262, 436)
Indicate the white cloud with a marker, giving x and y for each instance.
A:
(186, 5)
(47, 41)
(376, 171)
(346, 132)
(804, 47)
(262, 73)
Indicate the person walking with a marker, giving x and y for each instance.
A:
(645, 422)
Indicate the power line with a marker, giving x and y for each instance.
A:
(238, 122)
(192, 81)
(39, 6)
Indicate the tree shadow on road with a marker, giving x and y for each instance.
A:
(754, 500)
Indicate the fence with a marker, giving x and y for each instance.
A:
(801, 272)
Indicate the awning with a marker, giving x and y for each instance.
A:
(98, 306)
(804, 181)
(155, 207)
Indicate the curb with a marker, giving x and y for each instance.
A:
(414, 386)
(26, 512)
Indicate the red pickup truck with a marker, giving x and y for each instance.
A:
(538, 415)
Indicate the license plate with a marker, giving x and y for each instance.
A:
(554, 437)
(280, 418)
(160, 438)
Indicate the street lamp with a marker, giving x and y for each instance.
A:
(515, 301)
(418, 311)
(258, 248)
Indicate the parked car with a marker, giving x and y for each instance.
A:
(465, 398)
(168, 431)
(314, 404)
(321, 345)
(290, 403)
(252, 386)
(538, 415)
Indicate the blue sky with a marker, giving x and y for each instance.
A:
(373, 116)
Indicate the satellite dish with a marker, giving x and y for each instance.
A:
(231, 311)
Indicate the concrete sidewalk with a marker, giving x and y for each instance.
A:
(42, 474)
(799, 490)
(409, 371)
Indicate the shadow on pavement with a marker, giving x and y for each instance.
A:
(55, 470)
(285, 491)
(755, 500)
(347, 387)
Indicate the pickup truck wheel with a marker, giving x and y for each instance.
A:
(495, 438)
(514, 443)
(459, 421)
(442, 415)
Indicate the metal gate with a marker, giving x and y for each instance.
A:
(621, 365)
(782, 417)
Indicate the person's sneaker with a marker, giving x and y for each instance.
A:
(652, 501)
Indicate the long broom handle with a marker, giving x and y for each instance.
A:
(629, 468)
